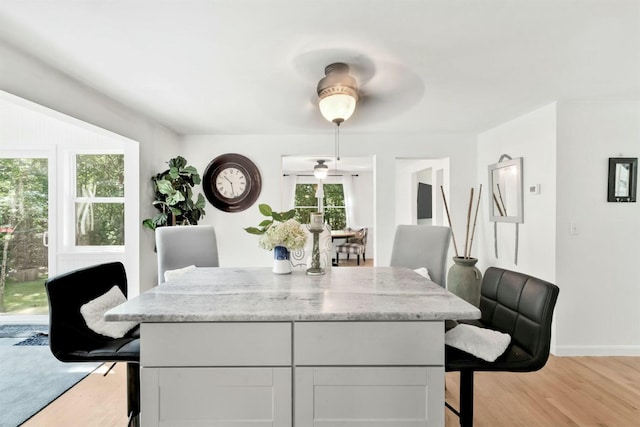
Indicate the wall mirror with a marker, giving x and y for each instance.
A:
(622, 179)
(505, 182)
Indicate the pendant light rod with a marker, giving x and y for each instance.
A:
(337, 140)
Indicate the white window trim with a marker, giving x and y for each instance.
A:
(69, 225)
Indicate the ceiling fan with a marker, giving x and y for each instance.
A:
(383, 88)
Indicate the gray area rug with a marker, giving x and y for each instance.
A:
(30, 377)
(22, 331)
(37, 339)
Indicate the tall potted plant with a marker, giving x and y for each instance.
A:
(173, 196)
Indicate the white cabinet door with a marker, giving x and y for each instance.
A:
(373, 396)
(217, 397)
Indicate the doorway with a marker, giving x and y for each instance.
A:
(24, 232)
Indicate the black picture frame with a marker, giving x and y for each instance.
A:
(623, 179)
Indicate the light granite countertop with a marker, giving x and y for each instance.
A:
(258, 295)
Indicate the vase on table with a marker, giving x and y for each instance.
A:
(281, 263)
(465, 279)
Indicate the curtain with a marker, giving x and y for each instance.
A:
(350, 200)
(289, 191)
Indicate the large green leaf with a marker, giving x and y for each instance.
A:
(253, 230)
(148, 223)
(189, 170)
(200, 202)
(265, 209)
(165, 187)
(175, 198)
(174, 173)
(289, 214)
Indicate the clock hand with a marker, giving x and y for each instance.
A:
(233, 192)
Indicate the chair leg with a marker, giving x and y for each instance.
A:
(364, 258)
(337, 258)
(466, 398)
(133, 392)
(358, 259)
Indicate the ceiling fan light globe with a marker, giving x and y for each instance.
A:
(320, 171)
(337, 107)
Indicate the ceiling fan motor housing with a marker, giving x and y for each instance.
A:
(337, 80)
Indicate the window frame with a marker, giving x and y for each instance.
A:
(327, 181)
(72, 198)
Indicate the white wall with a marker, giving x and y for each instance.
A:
(240, 249)
(597, 269)
(27, 77)
(532, 137)
(565, 148)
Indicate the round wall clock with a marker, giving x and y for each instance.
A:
(232, 182)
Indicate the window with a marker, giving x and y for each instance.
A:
(99, 200)
(334, 208)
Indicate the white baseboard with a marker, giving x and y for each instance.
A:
(597, 350)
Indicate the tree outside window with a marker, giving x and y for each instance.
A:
(334, 207)
(99, 200)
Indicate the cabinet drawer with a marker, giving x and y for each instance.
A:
(369, 343)
(215, 344)
(387, 396)
(256, 397)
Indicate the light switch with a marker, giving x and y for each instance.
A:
(573, 228)
(534, 189)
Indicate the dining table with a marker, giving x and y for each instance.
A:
(243, 346)
(342, 234)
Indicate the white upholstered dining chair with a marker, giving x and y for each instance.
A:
(181, 246)
(422, 246)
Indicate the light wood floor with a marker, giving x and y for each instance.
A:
(568, 391)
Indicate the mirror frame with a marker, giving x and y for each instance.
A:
(632, 164)
(519, 218)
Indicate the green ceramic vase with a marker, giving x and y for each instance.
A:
(464, 280)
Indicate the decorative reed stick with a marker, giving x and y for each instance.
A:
(495, 199)
(446, 207)
(504, 208)
(475, 220)
(466, 237)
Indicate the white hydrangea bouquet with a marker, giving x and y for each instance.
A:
(281, 230)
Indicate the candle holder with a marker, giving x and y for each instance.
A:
(315, 269)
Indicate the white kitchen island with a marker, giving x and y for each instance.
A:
(245, 347)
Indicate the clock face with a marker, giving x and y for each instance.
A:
(232, 182)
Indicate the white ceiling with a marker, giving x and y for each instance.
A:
(251, 66)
